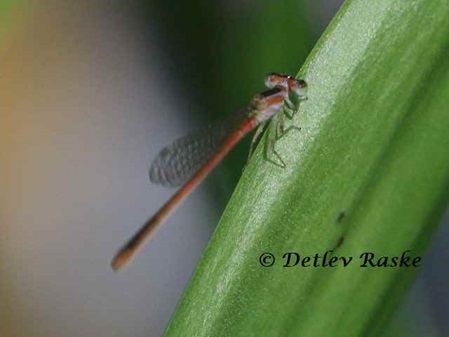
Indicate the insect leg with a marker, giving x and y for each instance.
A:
(255, 138)
(281, 131)
(289, 108)
(270, 146)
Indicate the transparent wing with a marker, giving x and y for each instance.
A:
(179, 161)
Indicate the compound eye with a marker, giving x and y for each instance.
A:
(270, 81)
(301, 84)
(300, 88)
(274, 79)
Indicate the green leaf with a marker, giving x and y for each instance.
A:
(368, 172)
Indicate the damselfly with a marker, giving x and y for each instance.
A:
(190, 159)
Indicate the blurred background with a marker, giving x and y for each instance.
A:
(90, 91)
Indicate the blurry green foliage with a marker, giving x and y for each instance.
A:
(7, 8)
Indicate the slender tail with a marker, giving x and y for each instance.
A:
(130, 248)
